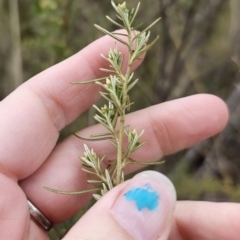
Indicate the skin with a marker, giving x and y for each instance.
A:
(33, 115)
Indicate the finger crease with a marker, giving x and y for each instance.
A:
(161, 133)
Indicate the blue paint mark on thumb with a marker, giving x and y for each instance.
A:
(144, 197)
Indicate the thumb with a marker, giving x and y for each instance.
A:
(141, 208)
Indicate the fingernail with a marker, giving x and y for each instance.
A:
(145, 207)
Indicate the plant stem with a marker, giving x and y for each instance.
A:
(119, 153)
(122, 116)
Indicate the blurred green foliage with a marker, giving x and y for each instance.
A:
(190, 188)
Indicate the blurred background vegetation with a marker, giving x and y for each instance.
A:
(198, 52)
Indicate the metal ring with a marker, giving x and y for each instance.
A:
(39, 217)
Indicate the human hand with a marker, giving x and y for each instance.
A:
(33, 115)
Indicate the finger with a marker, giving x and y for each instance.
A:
(141, 208)
(32, 116)
(15, 222)
(180, 123)
(13, 210)
(206, 221)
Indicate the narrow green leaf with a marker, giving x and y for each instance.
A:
(115, 23)
(104, 189)
(90, 81)
(94, 138)
(110, 34)
(94, 181)
(71, 192)
(132, 85)
(120, 34)
(108, 178)
(115, 144)
(114, 6)
(129, 105)
(138, 146)
(101, 134)
(130, 77)
(103, 85)
(97, 108)
(107, 70)
(137, 26)
(100, 120)
(145, 49)
(132, 161)
(96, 197)
(104, 95)
(87, 171)
(147, 28)
(135, 13)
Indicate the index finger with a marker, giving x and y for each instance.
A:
(33, 115)
(206, 220)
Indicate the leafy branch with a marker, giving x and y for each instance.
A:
(112, 115)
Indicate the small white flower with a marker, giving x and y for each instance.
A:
(123, 6)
